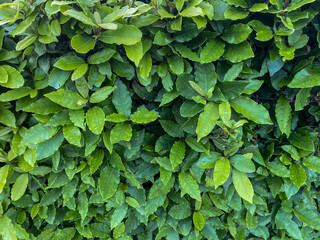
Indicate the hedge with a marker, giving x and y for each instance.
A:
(159, 120)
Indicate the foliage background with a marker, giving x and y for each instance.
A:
(163, 119)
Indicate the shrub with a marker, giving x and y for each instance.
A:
(162, 119)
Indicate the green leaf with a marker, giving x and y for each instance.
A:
(306, 78)
(302, 139)
(3, 176)
(212, 51)
(238, 52)
(176, 64)
(57, 78)
(143, 117)
(145, 66)
(15, 79)
(190, 108)
(207, 120)
(124, 34)
(121, 132)
(82, 44)
(180, 211)
(177, 153)
(19, 187)
(242, 163)
(65, 233)
(173, 129)
(69, 63)
(15, 94)
(235, 14)
(236, 33)
(251, 110)
(95, 119)
(283, 115)
(72, 134)
(242, 185)
(7, 117)
(308, 217)
(101, 57)
(301, 98)
(313, 163)
(132, 202)
(101, 94)
(233, 72)
(37, 134)
(205, 76)
(79, 72)
(189, 185)
(118, 215)
(221, 172)
(50, 146)
(108, 182)
(159, 189)
(67, 99)
(225, 112)
(4, 75)
(121, 99)
(198, 220)
(233, 89)
(297, 174)
(184, 87)
(21, 28)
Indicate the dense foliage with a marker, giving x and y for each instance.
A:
(164, 119)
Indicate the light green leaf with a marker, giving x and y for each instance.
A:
(177, 153)
(108, 182)
(207, 120)
(180, 211)
(101, 94)
(302, 139)
(118, 215)
(284, 115)
(134, 52)
(143, 116)
(132, 202)
(82, 44)
(15, 94)
(213, 50)
(124, 34)
(26, 42)
(313, 163)
(24, 24)
(72, 134)
(176, 64)
(198, 220)
(3, 176)
(242, 163)
(225, 113)
(80, 16)
(189, 185)
(242, 185)
(6, 229)
(251, 110)
(95, 119)
(221, 172)
(67, 99)
(297, 174)
(4, 75)
(19, 187)
(15, 79)
(121, 132)
(145, 66)
(116, 117)
(79, 72)
(69, 63)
